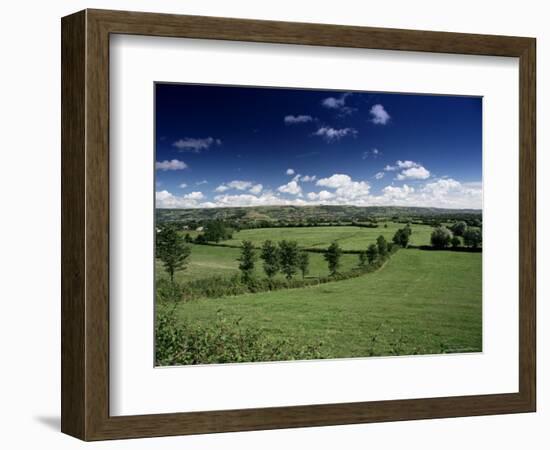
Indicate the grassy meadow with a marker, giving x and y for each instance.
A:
(418, 302)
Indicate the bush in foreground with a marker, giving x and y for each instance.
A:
(225, 341)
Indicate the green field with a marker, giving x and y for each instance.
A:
(348, 237)
(419, 302)
(210, 260)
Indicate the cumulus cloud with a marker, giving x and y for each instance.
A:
(195, 145)
(183, 185)
(379, 115)
(290, 171)
(292, 187)
(290, 119)
(334, 134)
(165, 199)
(308, 178)
(238, 185)
(409, 170)
(338, 103)
(340, 189)
(199, 183)
(379, 175)
(414, 173)
(256, 189)
(346, 190)
(170, 165)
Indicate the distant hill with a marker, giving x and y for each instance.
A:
(304, 213)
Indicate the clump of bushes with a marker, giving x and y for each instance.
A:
(224, 341)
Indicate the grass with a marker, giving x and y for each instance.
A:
(420, 302)
(348, 237)
(207, 260)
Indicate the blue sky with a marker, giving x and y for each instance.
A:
(247, 146)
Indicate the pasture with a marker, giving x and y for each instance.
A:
(348, 237)
(419, 302)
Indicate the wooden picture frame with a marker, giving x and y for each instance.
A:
(85, 224)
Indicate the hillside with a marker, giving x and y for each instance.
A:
(321, 213)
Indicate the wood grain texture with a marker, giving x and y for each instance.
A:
(85, 224)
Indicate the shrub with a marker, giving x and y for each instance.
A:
(168, 291)
(441, 237)
(224, 341)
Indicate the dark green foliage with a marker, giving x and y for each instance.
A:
(401, 236)
(168, 291)
(188, 239)
(303, 263)
(472, 238)
(441, 237)
(372, 253)
(455, 242)
(459, 228)
(288, 258)
(270, 256)
(332, 257)
(225, 341)
(201, 239)
(246, 261)
(382, 245)
(216, 231)
(363, 259)
(171, 250)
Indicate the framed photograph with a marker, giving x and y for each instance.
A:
(273, 225)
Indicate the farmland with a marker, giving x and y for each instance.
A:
(423, 302)
(414, 302)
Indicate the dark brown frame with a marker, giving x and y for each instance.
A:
(85, 224)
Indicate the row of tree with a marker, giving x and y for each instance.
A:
(443, 237)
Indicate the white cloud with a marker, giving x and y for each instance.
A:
(409, 170)
(414, 173)
(183, 185)
(170, 165)
(195, 195)
(199, 183)
(290, 119)
(379, 175)
(239, 185)
(341, 189)
(379, 115)
(335, 181)
(320, 196)
(292, 187)
(308, 178)
(165, 199)
(256, 189)
(346, 189)
(338, 103)
(334, 134)
(195, 145)
(290, 171)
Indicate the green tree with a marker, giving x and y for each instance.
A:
(372, 253)
(303, 263)
(363, 259)
(441, 237)
(459, 228)
(455, 242)
(332, 257)
(246, 261)
(188, 238)
(472, 238)
(382, 245)
(171, 249)
(270, 256)
(216, 231)
(401, 236)
(288, 257)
